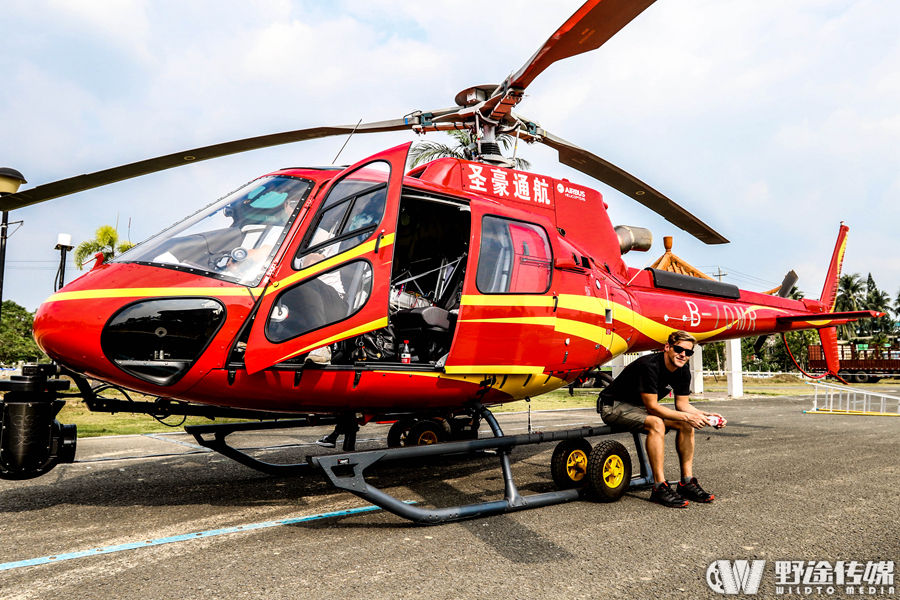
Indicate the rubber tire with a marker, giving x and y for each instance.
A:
(398, 431)
(426, 431)
(846, 376)
(609, 450)
(860, 378)
(560, 462)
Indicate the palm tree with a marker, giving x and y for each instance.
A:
(796, 293)
(106, 240)
(849, 298)
(897, 306)
(423, 152)
(880, 302)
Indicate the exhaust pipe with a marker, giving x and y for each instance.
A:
(638, 239)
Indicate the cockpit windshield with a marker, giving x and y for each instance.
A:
(234, 238)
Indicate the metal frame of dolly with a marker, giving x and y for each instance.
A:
(346, 471)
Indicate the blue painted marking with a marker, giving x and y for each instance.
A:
(182, 538)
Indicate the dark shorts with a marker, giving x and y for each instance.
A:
(624, 416)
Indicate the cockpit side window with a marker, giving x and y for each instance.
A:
(349, 215)
(515, 257)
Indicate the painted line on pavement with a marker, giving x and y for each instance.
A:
(184, 538)
(188, 444)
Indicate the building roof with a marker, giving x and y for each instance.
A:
(670, 262)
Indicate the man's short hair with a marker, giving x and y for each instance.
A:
(681, 336)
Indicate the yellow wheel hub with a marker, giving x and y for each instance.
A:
(613, 471)
(576, 465)
(427, 437)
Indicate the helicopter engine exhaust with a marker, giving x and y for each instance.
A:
(32, 441)
(638, 239)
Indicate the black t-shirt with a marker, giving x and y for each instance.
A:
(648, 375)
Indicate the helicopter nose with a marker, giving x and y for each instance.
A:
(69, 332)
(156, 340)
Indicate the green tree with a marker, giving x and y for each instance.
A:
(881, 302)
(106, 240)
(850, 297)
(16, 342)
(423, 152)
(897, 306)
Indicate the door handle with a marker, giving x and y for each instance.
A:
(378, 241)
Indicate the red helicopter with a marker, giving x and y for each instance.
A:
(347, 295)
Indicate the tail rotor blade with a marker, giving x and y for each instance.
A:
(80, 183)
(601, 170)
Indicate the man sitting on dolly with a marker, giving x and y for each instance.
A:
(631, 403)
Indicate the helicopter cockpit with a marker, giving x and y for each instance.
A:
(235, 238)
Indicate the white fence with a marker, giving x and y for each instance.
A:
(755, 374)
(843, 400)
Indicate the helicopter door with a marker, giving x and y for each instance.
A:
(507, 313)
(335, 283)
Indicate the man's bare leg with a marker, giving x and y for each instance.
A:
(684, 444)
(656, 443)
(656, 446)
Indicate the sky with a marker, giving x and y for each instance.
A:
(771, 120)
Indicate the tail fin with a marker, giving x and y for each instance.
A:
(828, 335)
(829, 292)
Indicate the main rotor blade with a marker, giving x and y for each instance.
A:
(613, 176)
(80, 183)
(588, 29)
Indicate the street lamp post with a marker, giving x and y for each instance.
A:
(63, 244)
(10, 180)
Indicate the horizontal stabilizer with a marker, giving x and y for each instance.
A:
(833, 316)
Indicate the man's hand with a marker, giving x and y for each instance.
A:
(722, 420)
(697, 420)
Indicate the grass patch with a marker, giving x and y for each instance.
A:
(95, 424)
(553, 400)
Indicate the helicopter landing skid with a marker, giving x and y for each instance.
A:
(345, 471)
(222, 430)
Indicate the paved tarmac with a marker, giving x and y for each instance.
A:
(788, 486)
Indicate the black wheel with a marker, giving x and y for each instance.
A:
(860, 378)
(397, 435)
(569, 463)
(609, 471)
(426, 431)
(846, 376)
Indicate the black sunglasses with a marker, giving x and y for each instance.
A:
(682, 350)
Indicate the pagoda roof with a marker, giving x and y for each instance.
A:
(670, 262)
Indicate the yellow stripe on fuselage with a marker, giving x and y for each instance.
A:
(494, 369)
(513, 300)
(150, 293)
(370, 326)
(326, 264)
(547, 321)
